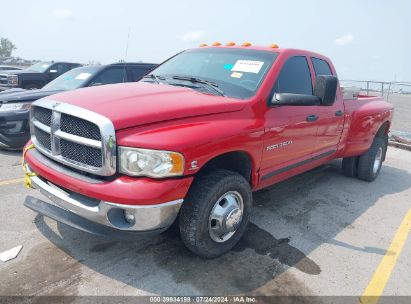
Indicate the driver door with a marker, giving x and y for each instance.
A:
(290, 131)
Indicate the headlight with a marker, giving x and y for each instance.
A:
(152, 163)
(10, 107)
(13, 80)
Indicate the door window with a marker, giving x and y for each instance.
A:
(138, 72)
(294, 77)
(111, 75)
(60, 68)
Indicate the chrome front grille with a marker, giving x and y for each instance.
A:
(42, 115)
(74, 136)
(81, 153)
(43, 138)
(79, 127)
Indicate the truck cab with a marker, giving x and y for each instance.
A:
(193, 139)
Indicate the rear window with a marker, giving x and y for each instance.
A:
(321, 67)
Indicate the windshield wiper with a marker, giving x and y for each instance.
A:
(155, 77)
(210, 84)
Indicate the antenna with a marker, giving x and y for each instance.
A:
(126, 54)
(128, 38)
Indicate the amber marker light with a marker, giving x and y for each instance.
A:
(203, 44)
(178, 163)
(231, 43)
(216, 43)
(274, 46)
(246, 44)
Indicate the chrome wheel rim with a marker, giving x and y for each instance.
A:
(226, 216)
(377, 161)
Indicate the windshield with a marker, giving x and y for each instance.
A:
(236, 72)
(73, 79)
(39, 67)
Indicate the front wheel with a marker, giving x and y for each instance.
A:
(369, 164)
(215, 213)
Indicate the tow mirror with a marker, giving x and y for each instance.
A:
(326, 89)
(289, 99)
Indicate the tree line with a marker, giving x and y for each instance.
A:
(6, 47)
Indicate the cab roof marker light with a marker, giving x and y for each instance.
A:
(274, 46)
(216, 43)
(231, 43)
(246, 44)
(203, 44)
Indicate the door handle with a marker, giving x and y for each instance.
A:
(339, 113)
(311, 118)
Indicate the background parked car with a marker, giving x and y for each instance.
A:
(8, 68)
(15, 103)
(35, 76)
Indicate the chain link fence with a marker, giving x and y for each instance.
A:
(397, 93)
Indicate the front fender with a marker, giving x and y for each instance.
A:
(200, 139)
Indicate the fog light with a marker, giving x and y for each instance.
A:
(129, 217)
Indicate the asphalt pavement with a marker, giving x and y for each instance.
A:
(317, 234)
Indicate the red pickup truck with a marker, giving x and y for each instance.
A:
(190, 142)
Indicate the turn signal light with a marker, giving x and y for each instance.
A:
(231, 43)
(216, 43)
(246, 44)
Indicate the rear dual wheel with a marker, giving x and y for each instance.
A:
(367, 166)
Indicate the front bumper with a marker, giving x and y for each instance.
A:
(145, 217)
(14, 129)
(75, 221)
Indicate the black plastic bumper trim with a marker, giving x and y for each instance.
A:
(301, 163)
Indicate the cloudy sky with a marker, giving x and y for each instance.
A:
(365, 39)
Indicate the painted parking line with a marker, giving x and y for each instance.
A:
(12, 181)
(383, 272)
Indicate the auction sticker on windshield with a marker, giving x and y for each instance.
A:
(248, 66)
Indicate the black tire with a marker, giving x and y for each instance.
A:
(198, 205)
(350, 166)
(366, 169)
(31, 86)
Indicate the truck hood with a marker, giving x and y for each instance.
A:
(21, 95)
(133, 104)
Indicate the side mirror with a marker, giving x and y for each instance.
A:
(289, 99)
(326, 89)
